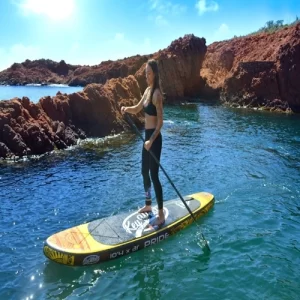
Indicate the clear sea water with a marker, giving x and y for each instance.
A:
(249, 160)
(34, 93)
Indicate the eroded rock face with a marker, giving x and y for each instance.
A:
(259, 71)
(179, 66)
(44, 71)
(288, 68)
(107, 70)
(254, 84)
(238, 71)
(57, 122)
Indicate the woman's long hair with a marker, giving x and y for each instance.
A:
(156, 85)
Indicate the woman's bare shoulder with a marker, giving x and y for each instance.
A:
(157, 94)
(146, 90)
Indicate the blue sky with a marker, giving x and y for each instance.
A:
(90, 31)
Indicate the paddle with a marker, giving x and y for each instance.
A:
(204, 244)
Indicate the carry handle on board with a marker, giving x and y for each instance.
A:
(204, 245)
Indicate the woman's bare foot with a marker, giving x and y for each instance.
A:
(160, 219)
(158, 222)
(161, 215)
(145, 209)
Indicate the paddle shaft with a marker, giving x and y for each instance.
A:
(171, 182)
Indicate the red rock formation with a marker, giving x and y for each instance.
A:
(22, 124)
(255, 83)
(288, 68)
(40, 71)
(107, 70)
(260, 70)
(57, 122)
(179, 66)
(47, 71)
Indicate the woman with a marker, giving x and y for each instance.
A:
(152, 104)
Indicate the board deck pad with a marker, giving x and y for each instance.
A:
(123, 227)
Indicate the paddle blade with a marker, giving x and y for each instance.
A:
(204, 244)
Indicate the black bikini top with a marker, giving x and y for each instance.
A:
(150, 109)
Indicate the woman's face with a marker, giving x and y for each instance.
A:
(149, 75)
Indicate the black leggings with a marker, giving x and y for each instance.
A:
(149, 164)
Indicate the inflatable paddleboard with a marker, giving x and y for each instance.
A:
(115, 236)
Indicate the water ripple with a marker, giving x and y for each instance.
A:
(248, 160)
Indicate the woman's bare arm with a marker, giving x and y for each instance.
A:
(135, 108)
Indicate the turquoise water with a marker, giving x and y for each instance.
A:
(249, 160)
(34, 93)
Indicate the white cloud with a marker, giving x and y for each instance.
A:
(204, 6)
(223, 32)
(223, 29)
(162, 9)
(154, 4)
(18, 53)
(54, 9)
(161, 21)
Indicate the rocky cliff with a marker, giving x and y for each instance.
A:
(259, 70)
(179, 66)
(57, 122)
(44, 71)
